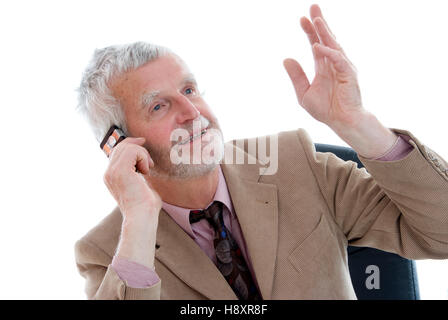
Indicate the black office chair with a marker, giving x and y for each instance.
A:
(398, 276)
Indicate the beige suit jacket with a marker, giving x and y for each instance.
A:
(296, 223)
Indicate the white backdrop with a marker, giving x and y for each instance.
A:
(52, 189)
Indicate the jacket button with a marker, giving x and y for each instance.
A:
(430, 156)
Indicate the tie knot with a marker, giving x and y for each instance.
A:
(213, 214)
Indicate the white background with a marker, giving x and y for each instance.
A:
(52, 189)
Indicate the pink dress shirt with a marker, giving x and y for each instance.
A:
(139, 276)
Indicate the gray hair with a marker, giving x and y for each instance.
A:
(95, 100)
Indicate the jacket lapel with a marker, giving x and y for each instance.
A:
(178, 252)
(256, 206)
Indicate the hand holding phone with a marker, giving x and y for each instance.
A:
(127, 178)
(129, 160)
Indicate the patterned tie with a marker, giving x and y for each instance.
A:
(230, 260)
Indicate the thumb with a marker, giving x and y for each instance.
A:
(298, 77)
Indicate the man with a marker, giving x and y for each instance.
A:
(281, 235)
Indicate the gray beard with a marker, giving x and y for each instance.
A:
(183, 171)
(164, 168)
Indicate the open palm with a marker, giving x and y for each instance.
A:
(333, 97)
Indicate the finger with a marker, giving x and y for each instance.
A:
(339, 61)
(325, 35)
(132, 141)
(315, 12)
(139, 140)
(142, 163)
(298, 78)
(128, 140)
(148, 156)
(307, 26)
(144, 160)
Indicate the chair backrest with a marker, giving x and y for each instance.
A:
(397, 275)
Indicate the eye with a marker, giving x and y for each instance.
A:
(157, 107)
(189, 91)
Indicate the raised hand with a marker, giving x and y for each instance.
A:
(333, 97)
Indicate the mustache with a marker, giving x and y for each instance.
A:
(197, 124)
(188, 130)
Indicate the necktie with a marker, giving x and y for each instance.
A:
(230, 260)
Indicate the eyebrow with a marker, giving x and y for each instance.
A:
(148, 98)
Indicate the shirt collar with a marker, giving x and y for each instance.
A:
(181, 215)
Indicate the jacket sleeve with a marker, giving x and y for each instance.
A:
(397, 206)
(102, 282)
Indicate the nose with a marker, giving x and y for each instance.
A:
(187, 111)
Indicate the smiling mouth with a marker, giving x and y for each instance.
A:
(183, 142)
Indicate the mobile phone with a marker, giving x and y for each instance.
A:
(113, 136)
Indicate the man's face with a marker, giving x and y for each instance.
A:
(159, 98)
